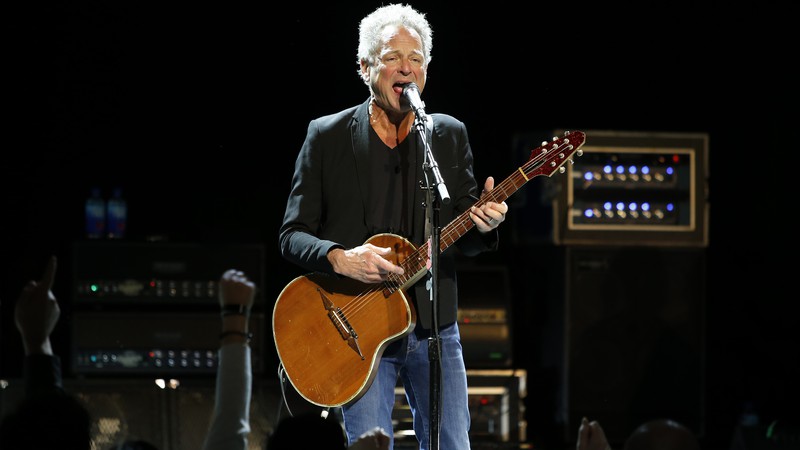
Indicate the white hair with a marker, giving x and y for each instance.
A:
(371, 27)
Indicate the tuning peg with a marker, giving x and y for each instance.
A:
(580, 152)
(561, 169)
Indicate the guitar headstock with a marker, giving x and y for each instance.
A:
(551, 156)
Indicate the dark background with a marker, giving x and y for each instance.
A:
(197, 112)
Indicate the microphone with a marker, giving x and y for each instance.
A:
(411, 93)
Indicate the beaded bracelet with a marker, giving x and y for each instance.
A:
(235, 310)
(225, 334)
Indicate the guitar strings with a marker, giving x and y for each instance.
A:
(452, 232)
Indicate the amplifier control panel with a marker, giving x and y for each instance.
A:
(636, 189)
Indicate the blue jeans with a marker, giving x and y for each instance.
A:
(407, 359)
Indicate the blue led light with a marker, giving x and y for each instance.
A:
(632, 169)
(670, 170)
(670, 206)
(620, 170)
(588, 213)
(606, 169)
(587, 176)
(632, 206)
(645, 206)
(607, 206)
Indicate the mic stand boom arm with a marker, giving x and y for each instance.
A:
(420, 124)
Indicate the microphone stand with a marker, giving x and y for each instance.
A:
(432, 213)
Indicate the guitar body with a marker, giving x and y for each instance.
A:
(330, 332)
(323, 365)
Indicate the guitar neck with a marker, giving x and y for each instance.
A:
(461, 225)
(544, 160)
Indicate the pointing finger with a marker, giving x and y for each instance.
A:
(49, 273)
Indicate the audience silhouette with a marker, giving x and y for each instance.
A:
(659, 434)
(47, 417)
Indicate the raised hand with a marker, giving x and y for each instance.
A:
(591, 436)
(37, 312)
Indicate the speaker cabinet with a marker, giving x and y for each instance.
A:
(633, 338)
(175, 418)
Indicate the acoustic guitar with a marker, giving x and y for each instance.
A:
(330, 332)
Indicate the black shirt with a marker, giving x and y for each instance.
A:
(390, 208)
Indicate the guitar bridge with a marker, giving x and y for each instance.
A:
(339, 320)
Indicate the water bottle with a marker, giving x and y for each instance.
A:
(95, 215)
(117, 215)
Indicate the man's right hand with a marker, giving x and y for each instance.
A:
(364, 263)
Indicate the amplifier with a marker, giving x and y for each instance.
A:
(154, 343)
(496, 404)
(483, 315)
(485, 337)
(635, 188)
(152, 308)
(159, 275)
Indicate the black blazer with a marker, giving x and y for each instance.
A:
(326, 208)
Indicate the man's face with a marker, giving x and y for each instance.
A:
(401, 61)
